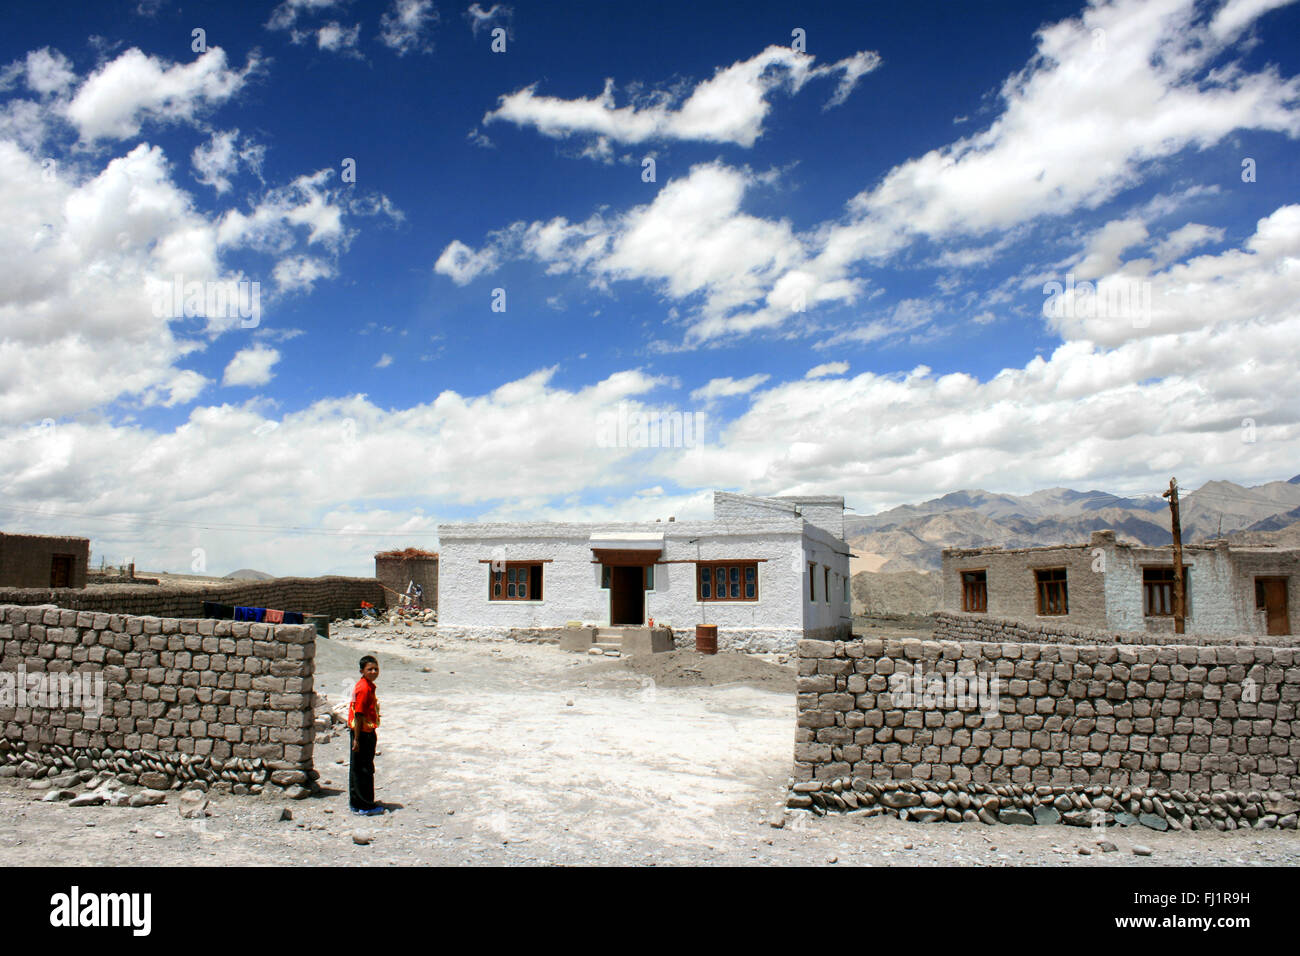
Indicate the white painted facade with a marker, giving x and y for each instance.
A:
(790, 551)
(1105, 584)
(1220, 586)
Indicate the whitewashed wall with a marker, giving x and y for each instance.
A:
(571, 582)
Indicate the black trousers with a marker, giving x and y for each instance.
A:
(361, 771)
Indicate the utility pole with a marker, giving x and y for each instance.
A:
(1179, 613)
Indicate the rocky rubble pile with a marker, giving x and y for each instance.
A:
(402, 616)
(1095, 805)
(93, 776)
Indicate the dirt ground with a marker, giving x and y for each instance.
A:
(510, 754)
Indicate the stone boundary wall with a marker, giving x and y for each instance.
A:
(224, 702)
(964, 626)
(1168, 732)
(335, 596)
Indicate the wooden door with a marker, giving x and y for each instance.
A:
(61, 571)
(627, 595)
(1279, 621)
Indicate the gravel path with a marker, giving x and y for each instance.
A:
(515, 754)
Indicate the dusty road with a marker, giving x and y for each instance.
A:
(508, 754)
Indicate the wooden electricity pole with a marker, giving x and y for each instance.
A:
(1179, 613)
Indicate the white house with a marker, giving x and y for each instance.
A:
(766, 571)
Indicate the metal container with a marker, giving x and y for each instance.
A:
(706, 638)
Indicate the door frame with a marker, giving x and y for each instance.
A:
(1275, 585)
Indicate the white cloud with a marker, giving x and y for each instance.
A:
(1079, 124)
(286, 14)
(404, 27)
(1182, 241)
(1102, 253)
(219, 158)
(1238, 287)
(827, 369)
(462, 264)
(306, 203)
(48, 71)
(498, 15)
(300, 273)
(335, 37)
(726, 387)
(730, 107)
(692, 239)
(121, 95)
(251, 366)
(496, 449)
(385, 360)
(102, 240)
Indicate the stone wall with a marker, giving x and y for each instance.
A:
(956, 626)
(224, 702)
(26, 560)
(335, 596)
(1196, 735)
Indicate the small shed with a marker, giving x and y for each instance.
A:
(43, 561)
(401, 570)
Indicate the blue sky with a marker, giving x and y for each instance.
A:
(838, 271)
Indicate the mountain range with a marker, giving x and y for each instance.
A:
(912, 537)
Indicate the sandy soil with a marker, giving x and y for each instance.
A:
(524, 754)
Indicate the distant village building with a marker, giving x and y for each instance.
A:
(1112, 585)
(43, 561)
(406, 570)
(765, 571)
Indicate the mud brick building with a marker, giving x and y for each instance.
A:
(43, 561)
(398, 570)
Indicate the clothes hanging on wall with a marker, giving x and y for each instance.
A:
(221, 612)
(273, 617)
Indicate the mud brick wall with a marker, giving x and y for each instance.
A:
(398, 573)
(335, 596)
(1148, 716)
(182, 698)
(961, 626)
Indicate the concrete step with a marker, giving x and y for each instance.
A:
(609, 645)
(609, 633)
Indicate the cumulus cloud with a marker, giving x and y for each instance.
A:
(121, 233)
(48, 71)
(406, 25)
(301, 273)
(462, 264)
(692, 239)
(251, 366)
(121, 95)
(730, 107)
(220, 157)
(1083, 121)
(240, 465)
(725, 387)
